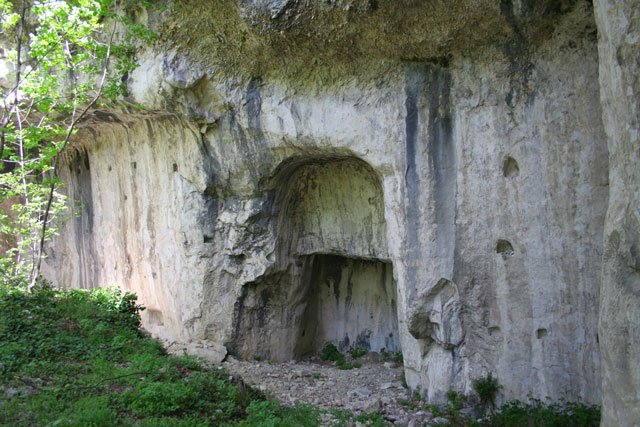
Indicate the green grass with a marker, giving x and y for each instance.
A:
(77, 358)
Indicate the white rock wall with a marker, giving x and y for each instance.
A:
(619, 51)
(140, 189)
(497, 266)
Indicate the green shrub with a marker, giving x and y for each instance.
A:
(373, 419)
(345, 366)
(456, 400)
(487, 389)
(357, 352)
(331, 353)
(538, 413)
(396, 356)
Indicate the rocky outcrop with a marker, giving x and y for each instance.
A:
(619, 51)
(327, 174)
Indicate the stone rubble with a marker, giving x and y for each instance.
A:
(377, 386)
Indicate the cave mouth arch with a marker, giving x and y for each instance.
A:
(332, 281)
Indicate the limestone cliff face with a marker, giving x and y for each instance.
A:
(443, 194)
(619, 50)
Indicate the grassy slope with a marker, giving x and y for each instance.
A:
(77, 359)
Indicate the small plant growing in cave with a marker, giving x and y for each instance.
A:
(487, 389)
(357, 352)
(396, 357)
(345, 366)
(331, 353)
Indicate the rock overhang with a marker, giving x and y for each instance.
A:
(286, 39)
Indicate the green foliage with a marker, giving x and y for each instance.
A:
(456, 400)
(538, 413)
(408, 403)
(66, 55)
(331, 353)
(487, 389)
(271, 414)
(50, 325)
(373, 419)
(345, 366)
(357, 352)
(395, 356)
(514, 413)
(76, 358)
(340, 417)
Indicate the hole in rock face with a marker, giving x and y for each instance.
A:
(332, 281)
(510, 168)
(155, 316)
(504, 248)
(541, 333)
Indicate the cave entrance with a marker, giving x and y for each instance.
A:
(332, 281)
(351, 303)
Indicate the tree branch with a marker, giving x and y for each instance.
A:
(35, 273)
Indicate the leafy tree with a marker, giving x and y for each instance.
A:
(60, 58)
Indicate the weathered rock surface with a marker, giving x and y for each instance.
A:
(438, 186)
(619, 49)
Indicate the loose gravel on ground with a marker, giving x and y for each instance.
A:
(377, 386)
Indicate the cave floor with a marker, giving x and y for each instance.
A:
(376, 386)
